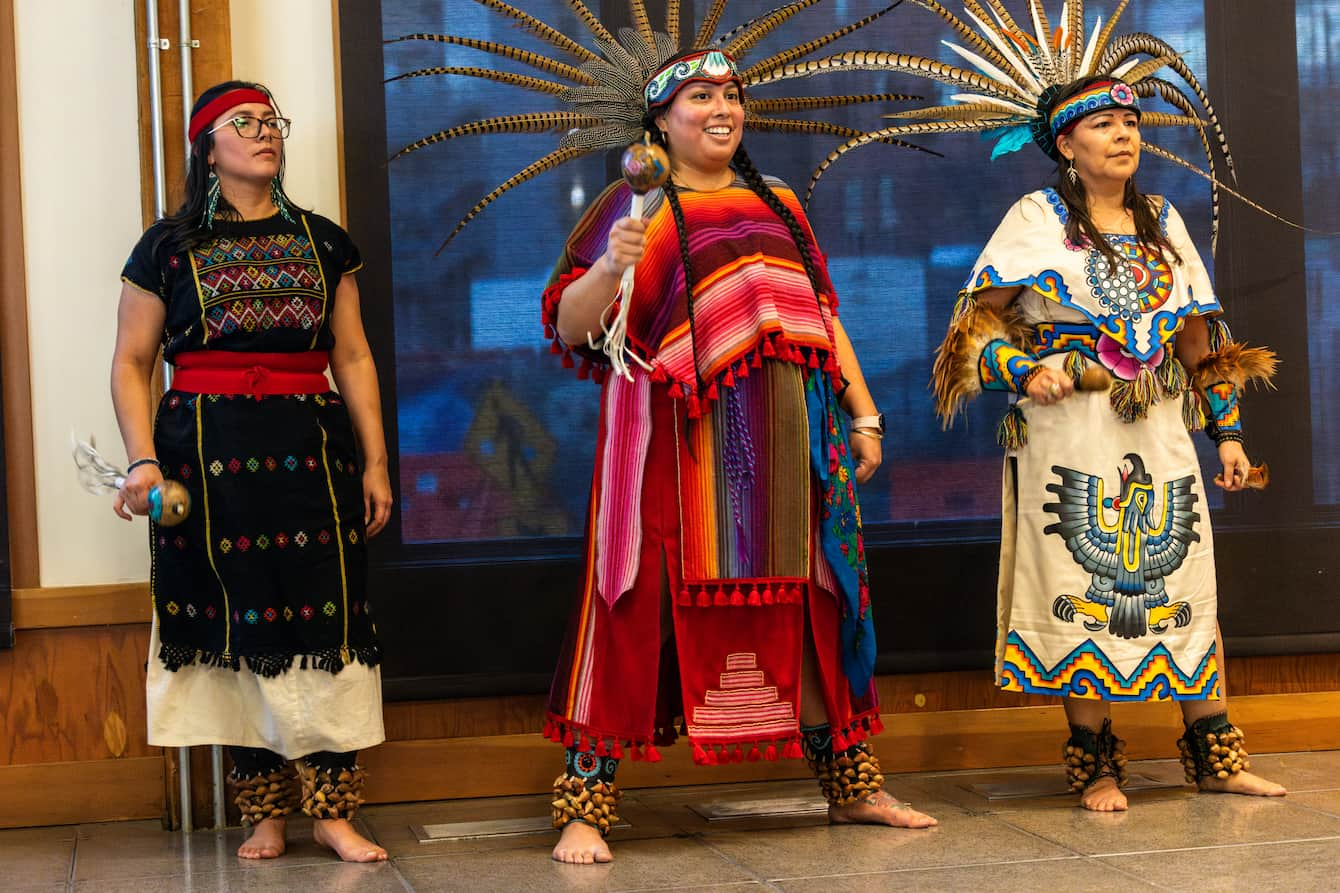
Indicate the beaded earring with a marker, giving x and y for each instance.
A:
(212, 192)
(277, 197)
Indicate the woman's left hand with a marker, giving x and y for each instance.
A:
(1236, 466)
(376, 499)
(868, 453)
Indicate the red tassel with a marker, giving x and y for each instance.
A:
(598, 374)
(704, 600)
(738, 756)
(768, 598)
(814, 359)
(712, 758)
(840, 743)
(877, 726)
(699, 757)
(601, 750)
(712, 393)
(768, 349)
(585, 370)
(568, 361)
(567, 738)
(617, 752)
(636, 754)
(695, 411)
(771, 753)
(548, 729)
(754, 755)
(757, 361)
(737, 598)
(793, 750)
(796, 595)
(742, 370)
(653, 755)
(583, 746)
(554, 347)
(720, 599)
(659, 375)
(684, 597)
(728, 380)
(676, 391)
(754, 600)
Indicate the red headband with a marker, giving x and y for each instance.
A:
(220, 104)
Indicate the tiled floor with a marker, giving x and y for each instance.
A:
(1172, 839)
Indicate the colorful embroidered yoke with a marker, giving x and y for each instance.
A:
(1125, 315)
(271, 564)
(733, 474)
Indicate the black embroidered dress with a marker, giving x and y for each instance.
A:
(268, 574)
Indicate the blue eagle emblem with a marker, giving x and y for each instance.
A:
(1129, 555)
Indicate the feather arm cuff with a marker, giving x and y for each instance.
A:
(958, 372)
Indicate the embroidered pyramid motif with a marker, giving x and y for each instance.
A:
(744, 707)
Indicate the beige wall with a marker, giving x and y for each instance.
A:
(80, 177)
(290, 47)
(81, 201)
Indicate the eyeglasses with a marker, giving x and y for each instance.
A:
(249, 127)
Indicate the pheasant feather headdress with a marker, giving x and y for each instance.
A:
(603, 90)
(1015, 75)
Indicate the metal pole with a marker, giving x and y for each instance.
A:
(156, 46)
(187, 46)
(184, 788)
(216, 773)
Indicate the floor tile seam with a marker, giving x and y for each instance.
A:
(764, 882)
(1034, 834)
(1130, 874)
(271, 866)
(72, 871)
(1317, 810)
(855, 874)
(1216, 846)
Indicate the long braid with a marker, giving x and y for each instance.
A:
(744, 165)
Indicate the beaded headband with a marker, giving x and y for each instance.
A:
(710, 66)
(1100, 96)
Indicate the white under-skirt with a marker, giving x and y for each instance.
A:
(293, 714)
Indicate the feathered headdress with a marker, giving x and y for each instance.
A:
(1017, 74)
(603, 90)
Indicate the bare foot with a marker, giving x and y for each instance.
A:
(1243, 783)
(581, 844)
(348, 844)
(880, 808)
(1104, 796)
(266, 840)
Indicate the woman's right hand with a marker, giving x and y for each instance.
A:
(133, 498)
(627, 244)
(1050, 386)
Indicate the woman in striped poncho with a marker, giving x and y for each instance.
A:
(725, 577)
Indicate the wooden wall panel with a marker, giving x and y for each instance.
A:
(14, 373)
(211, 63)
(73, 695)
(71, 793)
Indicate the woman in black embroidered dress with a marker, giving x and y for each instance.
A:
(262, 634)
